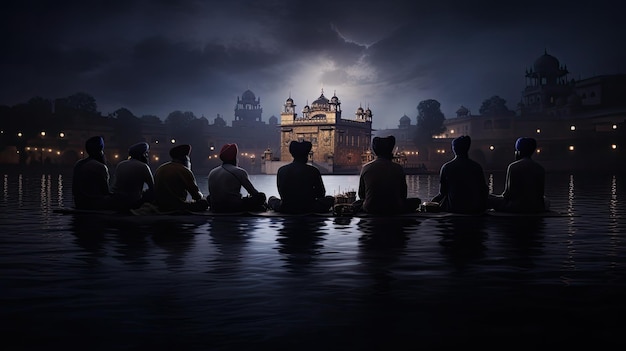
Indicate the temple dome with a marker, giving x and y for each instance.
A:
(248, 96)
(547, 65)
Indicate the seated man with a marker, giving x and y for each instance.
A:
(90, 180)
(174, 182)
(300, 185)
(382, 183)
(462, 186)
(225, 184)
(525, 182)
(131, 177)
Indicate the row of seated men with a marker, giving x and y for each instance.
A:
(382, 186)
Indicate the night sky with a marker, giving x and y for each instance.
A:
(155, 57)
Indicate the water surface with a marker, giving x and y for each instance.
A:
(231, 283)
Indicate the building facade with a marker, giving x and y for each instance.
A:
(579, 124)
(340, 146)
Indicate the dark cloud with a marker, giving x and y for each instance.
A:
(154, 57)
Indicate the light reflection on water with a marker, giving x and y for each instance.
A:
(233, 282)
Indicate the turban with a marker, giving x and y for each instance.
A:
(383, 147)
(179, 152)
(300, 149)
(228, 153)
(137, 150)
(461, 145)
(526, 146)
(94, 145)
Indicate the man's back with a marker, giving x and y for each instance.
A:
(382, 187)
(525, 185)
(299, 185)
(463, 186)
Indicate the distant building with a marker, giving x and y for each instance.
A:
(406, 152)
(339, 145)
(578, 124)
(251, 134)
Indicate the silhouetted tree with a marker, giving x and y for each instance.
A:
(151, 119)
(495, 106)
(429, 120)
(127, 128)
(178, 124)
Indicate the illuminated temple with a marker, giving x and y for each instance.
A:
(340, 145)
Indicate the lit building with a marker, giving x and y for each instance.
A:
(339, 145)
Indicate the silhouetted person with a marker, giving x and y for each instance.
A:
(225, 184)
(525, 182)
(133, 182)
(174, 182)
(462, 186)
(382, 183)
(90, 180)
(300, 185)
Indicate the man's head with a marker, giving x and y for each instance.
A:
(139, 151)
(525, 147)
(300, 149)
(461, 145)
(228, 153)
(180, 152)
(94, 146)
(383, 147)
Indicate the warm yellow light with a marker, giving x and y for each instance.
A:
(27, 148)
(43, 133)
(615, 126)
(49, 150)
(538, 130)
(451, 131)
(572, 127)
(58, 152)
(19, 134)
(62, 135)
(173, 141)
(614, 146)
(538, 151)
(571, 148)
(116, 156)
(156, 141)
(491, 147)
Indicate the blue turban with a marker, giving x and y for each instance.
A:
(94, 145)
(137, 150)
(525, 146)
(461, 145)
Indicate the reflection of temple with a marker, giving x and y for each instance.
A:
(339, 145)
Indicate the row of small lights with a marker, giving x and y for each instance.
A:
(572, 128)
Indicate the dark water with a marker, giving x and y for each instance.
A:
(98, 283)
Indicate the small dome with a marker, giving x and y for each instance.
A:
(359, 110)
(334, 100)
(547, 65)
(322, 100)
(462, 111)
(248, 96)
(405, 120)
(273, 120)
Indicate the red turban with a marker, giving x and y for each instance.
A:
(228, 153)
